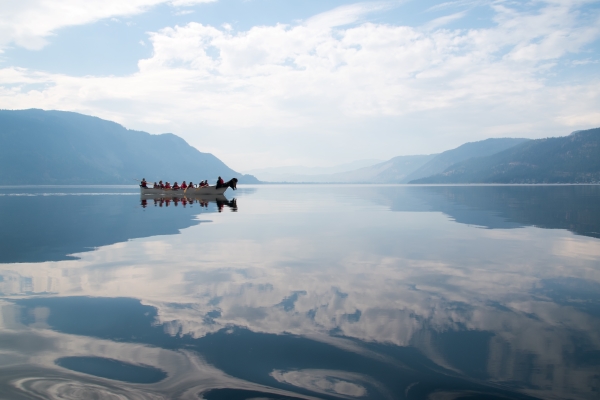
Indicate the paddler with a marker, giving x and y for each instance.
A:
(143, 183)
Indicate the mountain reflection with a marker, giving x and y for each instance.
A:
(50, 224)
(374, 296)
(572, 207)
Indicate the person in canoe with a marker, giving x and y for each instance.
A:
(220, 182)
(155, 186)
(143, 183)
(175, 186)
(190, 185)
(184, 185)
(161, 185)
(167, 185)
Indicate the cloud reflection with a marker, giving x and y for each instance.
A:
(326, 382)
(490, 305)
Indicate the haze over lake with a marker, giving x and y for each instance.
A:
(301, 292)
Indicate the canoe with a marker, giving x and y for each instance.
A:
(206, 190)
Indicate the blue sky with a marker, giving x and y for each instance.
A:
(299, 82)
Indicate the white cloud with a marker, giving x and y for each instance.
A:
(183, 12)
(441, 21)
(325, 75)
(184, 3)
(345, 15)
(28, 23)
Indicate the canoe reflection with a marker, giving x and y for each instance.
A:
(203, 201)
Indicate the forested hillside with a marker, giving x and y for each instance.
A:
(464, 152)
(57, 147)
(569, 159)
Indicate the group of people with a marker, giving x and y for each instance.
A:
(176, 186)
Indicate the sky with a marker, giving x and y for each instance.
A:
(267, 83)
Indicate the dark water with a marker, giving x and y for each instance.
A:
(301, 292)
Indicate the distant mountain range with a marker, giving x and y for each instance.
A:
(465, 152)
(403, 169)
(569, 159)
(57, 147)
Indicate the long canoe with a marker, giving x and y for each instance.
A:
(206, 190)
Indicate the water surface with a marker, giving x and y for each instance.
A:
(301, 292)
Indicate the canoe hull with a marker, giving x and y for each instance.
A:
(203, 191)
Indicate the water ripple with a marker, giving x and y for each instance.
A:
(65, 389)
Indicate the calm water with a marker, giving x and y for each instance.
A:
(301, 292)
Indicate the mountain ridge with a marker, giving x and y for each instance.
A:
(62, 147)
(462, 153)
(402, 169)
(567, 159)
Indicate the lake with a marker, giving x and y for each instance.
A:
(301, 292)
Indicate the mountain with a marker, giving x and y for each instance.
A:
(569, 159)
(466, 151)
(58, 147)
(403, 169)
